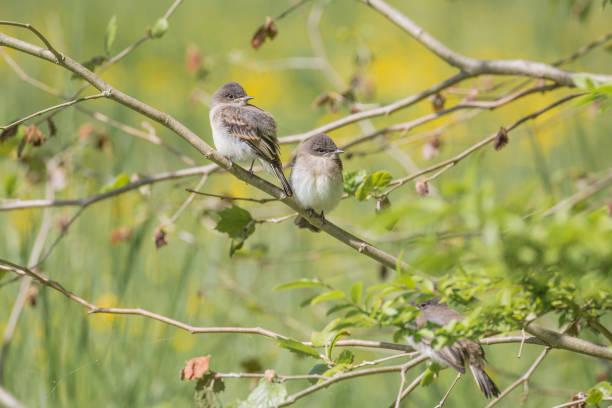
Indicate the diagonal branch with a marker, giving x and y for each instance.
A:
(473, 66)
(188, 135)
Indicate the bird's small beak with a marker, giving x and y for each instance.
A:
(247, 98)
(338, 151)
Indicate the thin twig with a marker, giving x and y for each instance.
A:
(524, 378)
(7, 400)
(446, 164)
(58, 55)
(52, 108)
(255, 200)
(401, 388)
(582, 195)
(443, 400)
(187, 201)
(578, 403)
(351, 374)
(411, 387)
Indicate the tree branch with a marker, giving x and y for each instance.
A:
(181, 130)
(472, 66)
(447, 164)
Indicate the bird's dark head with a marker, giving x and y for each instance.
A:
(231, 93)
(321, 145)
(428, 303)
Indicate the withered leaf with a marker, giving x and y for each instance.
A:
(267, 30)
(195, 368)
(383, 204)
(160, 238)
(34, 136)
(422, 188)
(437, 101)
(193, 59)
(322, 99)
(7, 133)
(52, 128)
(501, 139)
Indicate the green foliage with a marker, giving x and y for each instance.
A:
(206, 390)
(596, 92)
(265, 395)
(238, 224)
(361, 185)
(297, 347)
(111, 33)
(119, 181)
(598, 392)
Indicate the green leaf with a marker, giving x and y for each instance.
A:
(265, 395)
(120, 181)
(159, 28)
(352, 180)
(595, 396)
(334, 341)
(111, 33)
(428, 377)
(598, 392)
(302, 283)
(380, 179)
(233, 220)
(584, 81)
(364, 188)
(297, 347)
(346, 357)
(317, 369)
(356, 291)
(332, 294)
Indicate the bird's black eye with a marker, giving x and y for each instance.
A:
(421, 305)
(229, 96)
(320, 149)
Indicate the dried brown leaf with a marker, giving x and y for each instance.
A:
(437, 101)
(270, 28)
(322, 99)
(501, 139)
(34, 136)
(258, 38)
(195, 368)
(52, 128)
(8, 133)
(160, 238)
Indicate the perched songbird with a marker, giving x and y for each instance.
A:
(459, 354)
(316, 177)
(244, 132)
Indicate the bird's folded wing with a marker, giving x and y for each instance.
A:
(255, 126)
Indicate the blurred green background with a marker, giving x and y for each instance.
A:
(63, 357)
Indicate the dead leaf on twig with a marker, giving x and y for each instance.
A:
(267, 30)
(195, 368)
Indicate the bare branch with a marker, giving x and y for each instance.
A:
(55, 53)
(524, 378)
(7, 400)
(351, 374)
(52, 108)
(229, 198)
(582, 195)
(561, 340)
(383, 110)
(446, 164)
(349, 239)
(84, 202)
(443, 400)
(473, 66)
(415, 383)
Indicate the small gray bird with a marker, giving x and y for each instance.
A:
(316, 177)
(457, 355)
(244, 132)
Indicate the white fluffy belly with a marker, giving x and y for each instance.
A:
(316, 191)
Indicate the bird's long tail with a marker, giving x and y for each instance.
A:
(278, 170)
(485, 383)
(301, 222)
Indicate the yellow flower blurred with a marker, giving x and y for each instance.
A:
(103, 322)
(183, 341)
